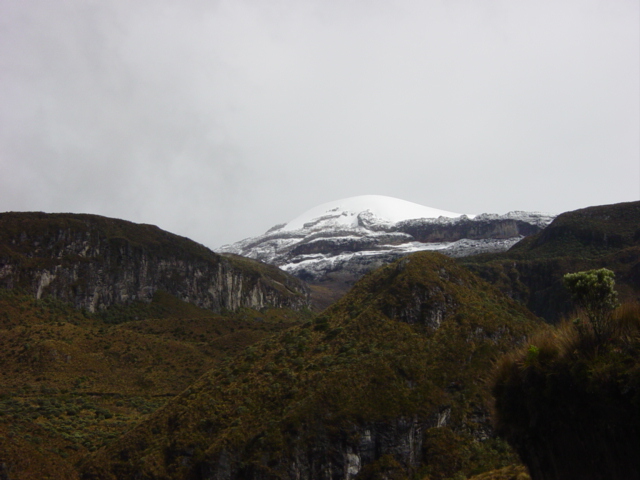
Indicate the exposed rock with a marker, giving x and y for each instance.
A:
(333, 456)
(94, 262)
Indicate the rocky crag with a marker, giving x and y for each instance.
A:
(95, 262)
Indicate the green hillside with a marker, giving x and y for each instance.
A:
(389, 381)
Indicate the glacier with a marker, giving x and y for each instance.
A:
(359, 233)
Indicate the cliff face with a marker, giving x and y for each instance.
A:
(332, 456)
(477, 229)
(94, 262)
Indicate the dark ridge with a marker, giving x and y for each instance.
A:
(590, 238)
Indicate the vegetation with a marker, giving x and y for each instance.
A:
(392, 381)
(72, 382)
(589, 233)
(532, 271)
(569, 402)
(60, 229)
(375, 362)
(594, 292)
(512, 472)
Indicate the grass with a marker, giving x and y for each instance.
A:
(512, 472)
(569, 401)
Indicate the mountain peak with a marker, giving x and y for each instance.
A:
(345, 212)
(344, 239)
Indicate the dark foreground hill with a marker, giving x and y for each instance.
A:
(388, 383)
(95, 262)
(531, 271)
(570, 401)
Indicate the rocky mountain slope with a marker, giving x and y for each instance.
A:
(96, 262)
(352, 236)
(388, 383)
(531, 272)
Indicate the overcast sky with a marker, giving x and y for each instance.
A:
(219, 119)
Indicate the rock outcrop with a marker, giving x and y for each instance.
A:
(95, 262)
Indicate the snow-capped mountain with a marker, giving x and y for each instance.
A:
(345, 212)
(356, 234)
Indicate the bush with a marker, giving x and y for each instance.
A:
(594, 291)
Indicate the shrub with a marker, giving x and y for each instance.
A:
(594, 291)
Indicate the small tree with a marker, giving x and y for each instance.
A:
(594, 291)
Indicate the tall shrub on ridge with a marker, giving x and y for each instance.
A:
(594, 290)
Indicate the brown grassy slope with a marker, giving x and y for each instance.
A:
(569, 403)
(413, 340)
(507, 473)
(69, 382)
(20, 460)
(48, 341)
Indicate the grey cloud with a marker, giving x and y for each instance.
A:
(218, 120)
